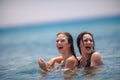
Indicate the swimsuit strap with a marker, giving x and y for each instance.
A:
(78, 65)
(89, 60)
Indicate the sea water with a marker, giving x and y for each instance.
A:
(22, 46)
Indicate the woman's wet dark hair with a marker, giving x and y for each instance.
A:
(80, 37)
(70, 40)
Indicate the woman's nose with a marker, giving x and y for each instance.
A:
(88, 41)
(59, 42)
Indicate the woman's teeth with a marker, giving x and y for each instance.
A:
(60, 47)
(88, 48)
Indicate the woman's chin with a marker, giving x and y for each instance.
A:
(89, 52)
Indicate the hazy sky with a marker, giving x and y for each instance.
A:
(15, 12)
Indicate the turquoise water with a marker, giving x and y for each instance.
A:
(20, 49)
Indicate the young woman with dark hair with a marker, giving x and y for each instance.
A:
(89, 57)
(67, 60)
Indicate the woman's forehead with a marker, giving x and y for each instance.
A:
(62, 36)
(87, 36)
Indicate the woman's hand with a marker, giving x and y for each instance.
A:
(42, 65)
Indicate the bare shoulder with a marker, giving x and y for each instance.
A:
(72, 60)
(96, 55)
(96, 59)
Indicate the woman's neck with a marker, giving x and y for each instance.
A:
(85, 56)
(66, 55)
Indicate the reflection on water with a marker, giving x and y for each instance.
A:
(78, 74)
(92, 71)
(42, 75)
(58, 75)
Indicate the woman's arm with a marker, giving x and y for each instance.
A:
(96, 59)
(54, 60)
(71, 63)
(50, 64)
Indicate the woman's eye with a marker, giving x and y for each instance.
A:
(86, 40)
(62, 40)
(91, 40)
(57, 40)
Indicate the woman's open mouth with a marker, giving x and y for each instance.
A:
(88, 48)
(60, 47)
